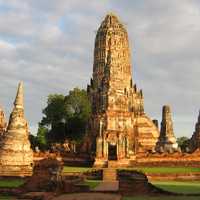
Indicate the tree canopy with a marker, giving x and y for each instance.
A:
(65, 117)
(183, 143)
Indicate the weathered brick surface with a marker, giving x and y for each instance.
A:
(118, 118)
(16, 156)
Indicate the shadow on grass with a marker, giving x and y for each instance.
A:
(179, 187)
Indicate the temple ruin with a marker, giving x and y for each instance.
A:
(195, 139)
(167, 140)
(118, 128)
(3, 123)
(16, 156)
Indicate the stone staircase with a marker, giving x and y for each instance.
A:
(109, 174)
(112, 164)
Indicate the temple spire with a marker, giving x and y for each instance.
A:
(19, 100)
(16, 155)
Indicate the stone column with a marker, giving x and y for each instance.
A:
(126, 147)
(105, 148)
(99, 147)
(119, 147)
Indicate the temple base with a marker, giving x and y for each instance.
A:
(16, 171)
(102, 163)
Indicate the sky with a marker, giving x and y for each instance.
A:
(49, 45)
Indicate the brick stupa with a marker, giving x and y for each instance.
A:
(167, 140)
(118, 127)
(195, 140)
(3, 123)
(16, 156)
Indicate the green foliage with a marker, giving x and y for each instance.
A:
(33, 141)
(11, 183)
(183, 143)
(78, 112)
(65, 116)
(42, 137)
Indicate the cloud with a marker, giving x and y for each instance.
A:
(49, 45)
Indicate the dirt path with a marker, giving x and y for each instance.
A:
(107, 186)
(89, 196)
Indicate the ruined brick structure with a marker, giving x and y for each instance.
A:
(118, 127)
(16, 156)
(167, 140)
(195, 140)
(3, 123)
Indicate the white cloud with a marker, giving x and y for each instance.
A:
(49, 45)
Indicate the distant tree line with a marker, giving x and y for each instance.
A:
(64, 117)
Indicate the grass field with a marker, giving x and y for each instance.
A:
(5, 197)
(11, 183)
(173, 186)
(179, 187)
(143, 169)
(92, 183)
(161, 198)
(76, 169)
(166, 169)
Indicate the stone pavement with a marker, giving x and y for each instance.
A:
(111, 186)
(89, 196)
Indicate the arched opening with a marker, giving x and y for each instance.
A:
(112, 152)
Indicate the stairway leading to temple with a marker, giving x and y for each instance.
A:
(109, 174)
(109, 183)
(112, 164)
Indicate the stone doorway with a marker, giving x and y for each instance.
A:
(112, 152)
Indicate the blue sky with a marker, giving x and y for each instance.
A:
(49, 45)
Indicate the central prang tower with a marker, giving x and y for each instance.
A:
(118, 127)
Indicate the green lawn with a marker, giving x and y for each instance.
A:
(76, 169)
(161, 198)
(5, 197)
(179, 187)
(143, 169)
(92, 183)
(166, 169)
(11, 183)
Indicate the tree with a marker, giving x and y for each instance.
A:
(55, 111)
(183, 143)
(65, 117)
(42, 137)
(33, 141)
(78, 112)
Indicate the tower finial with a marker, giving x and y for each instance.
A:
(19, 100)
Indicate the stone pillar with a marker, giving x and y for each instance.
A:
(126, 147)
(105, 148)
(195, 140)
(99, 147)
(3, 123)
(167, 140)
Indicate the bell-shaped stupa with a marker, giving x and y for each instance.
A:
(16, 155)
